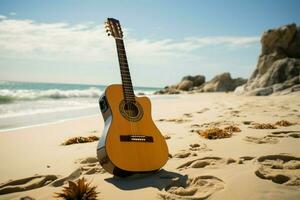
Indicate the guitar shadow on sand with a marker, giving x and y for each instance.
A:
(159, 180)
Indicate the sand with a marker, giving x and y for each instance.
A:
(251, 164)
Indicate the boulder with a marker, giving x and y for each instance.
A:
(197, 80)
(223, 83)
(185, 85)
(278, 66)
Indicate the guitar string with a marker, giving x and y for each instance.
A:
(129, 107)
(130, 104)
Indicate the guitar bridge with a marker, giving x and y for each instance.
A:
(136, 138)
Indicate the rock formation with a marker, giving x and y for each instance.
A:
(220, 83)
(278, 66)
(187, 83)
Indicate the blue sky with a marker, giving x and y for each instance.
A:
(64, 40)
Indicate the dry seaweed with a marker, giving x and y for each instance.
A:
(80, 139)
(78, 191)
(215, 133)
(263, 126)
(232, 129)
(284, 123)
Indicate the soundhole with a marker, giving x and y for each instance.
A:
(131, 110)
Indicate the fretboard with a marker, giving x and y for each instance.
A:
(124, 69)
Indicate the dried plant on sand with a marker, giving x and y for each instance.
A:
(232, 129)
(263, 126)
(215, 133)
(80, 139)
(78, 191)
(284, 123)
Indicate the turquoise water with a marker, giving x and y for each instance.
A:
(25, 103)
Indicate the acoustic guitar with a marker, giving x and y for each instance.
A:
(130, 142)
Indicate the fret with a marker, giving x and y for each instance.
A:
(122, 50)
(127, 87)
(129, 94)
(126, 75)
(124, 69)
(124, 65)
(123, 60)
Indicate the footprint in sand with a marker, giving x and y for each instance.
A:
(200, 187)
(282, 134)
(244, 159)
(90, 165)
(202, 110)
(74, 175)
(209, 161)
(202, 147)
(196, 147)
(25, 184)
(189, 115)
(27, 198)
(261, 140)
(281, 169)
(184, 154)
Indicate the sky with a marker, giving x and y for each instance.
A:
(64, 41)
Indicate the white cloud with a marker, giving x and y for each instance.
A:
(88, 41)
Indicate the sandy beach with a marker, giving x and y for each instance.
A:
(251, 164)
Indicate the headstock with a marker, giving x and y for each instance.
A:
(113, 28)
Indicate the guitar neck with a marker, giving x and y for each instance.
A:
(125, 73)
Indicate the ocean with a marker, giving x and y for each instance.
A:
(25, 104)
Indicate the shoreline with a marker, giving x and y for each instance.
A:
(36, 119)
(46, 123)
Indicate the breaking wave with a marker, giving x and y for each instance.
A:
(9, 96)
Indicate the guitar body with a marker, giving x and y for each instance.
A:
(130, 143)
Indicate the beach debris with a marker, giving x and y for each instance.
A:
(188, 115)
(79, 190)
(215, 133)
(263, 126)
(194, 145)
(167, 137)
(284, 123)
(80, 139)
(247, 122)
(232, 129)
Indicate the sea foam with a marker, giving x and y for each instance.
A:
(9, 96)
